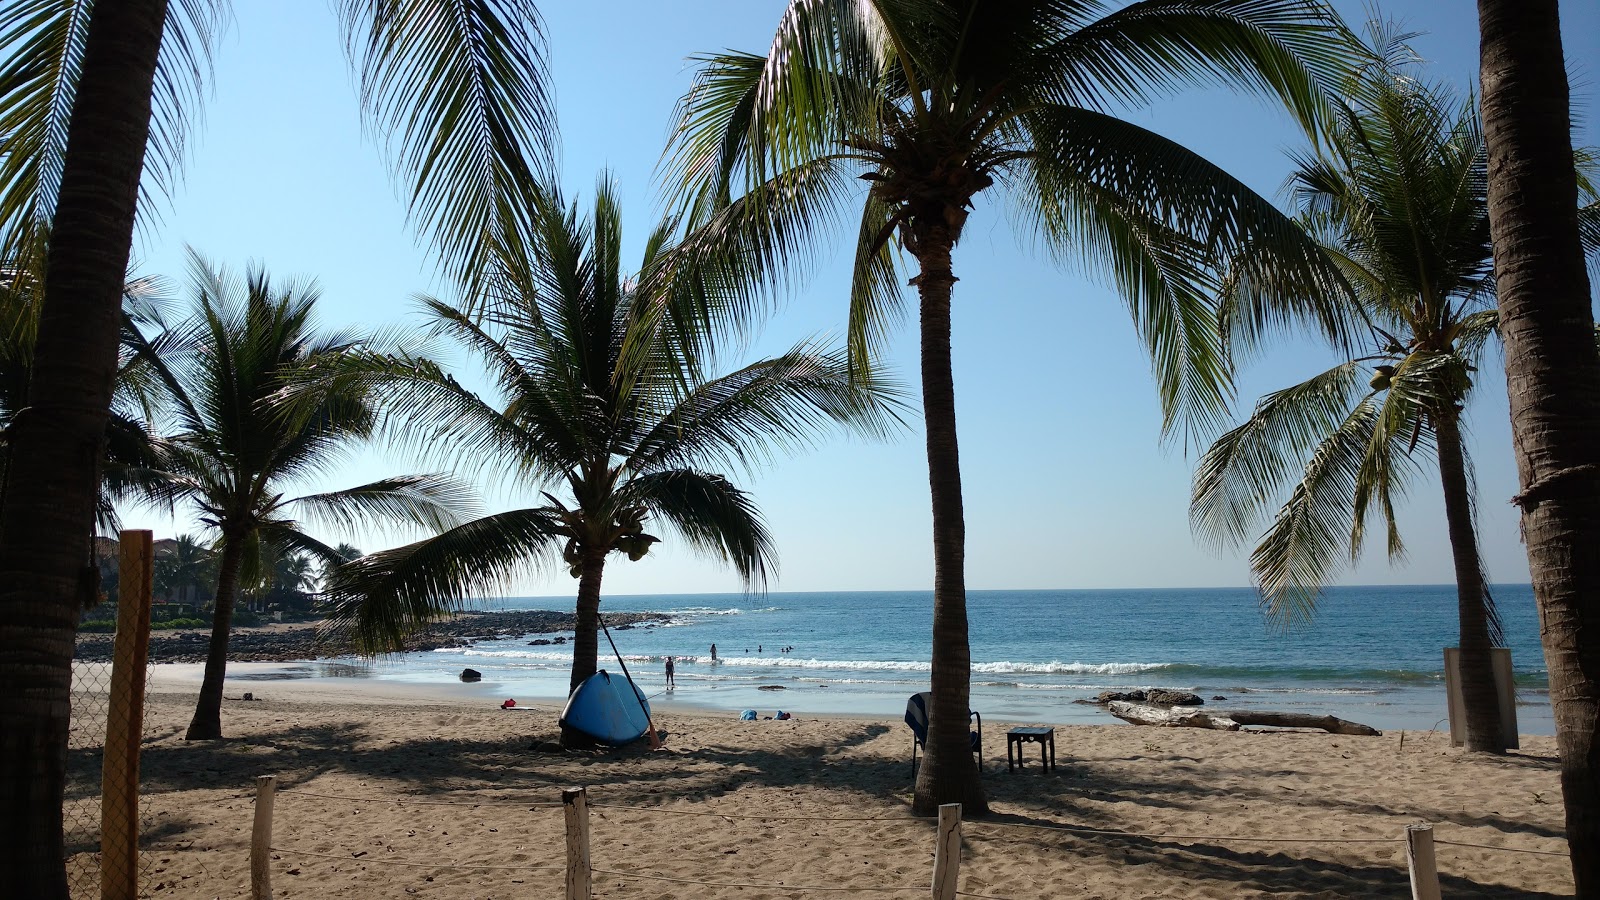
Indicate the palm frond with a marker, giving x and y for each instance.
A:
(381, 598)
(1238, 478)
(790, 400)
(1295, 50)
(712, 515)
(1277, 275)
(436, 502)
(41, 55)
(458, 90)
(1307, 539)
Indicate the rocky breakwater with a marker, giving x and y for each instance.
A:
(287, 643)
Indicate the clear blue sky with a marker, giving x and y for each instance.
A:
(1067, 482)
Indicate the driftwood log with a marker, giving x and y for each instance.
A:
(1232, 720)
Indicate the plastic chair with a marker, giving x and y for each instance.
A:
(917, 718)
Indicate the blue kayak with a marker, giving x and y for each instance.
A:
(605, 709)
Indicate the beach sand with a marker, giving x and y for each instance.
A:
(476, 792)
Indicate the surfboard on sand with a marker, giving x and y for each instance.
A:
(608, 708)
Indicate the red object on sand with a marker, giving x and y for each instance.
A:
(508, 704)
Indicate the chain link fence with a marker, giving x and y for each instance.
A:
(82, 806)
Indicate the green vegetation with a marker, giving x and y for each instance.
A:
(934, 102)
(242, 441)
(603, 395)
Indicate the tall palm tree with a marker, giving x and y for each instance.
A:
(1553, 372)
(933, 102)
(1396, 198)
(457, 89)
(242, 443)
(602, 396)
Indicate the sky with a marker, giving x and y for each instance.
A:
(1068, 482)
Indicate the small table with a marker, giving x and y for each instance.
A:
(1044, 736)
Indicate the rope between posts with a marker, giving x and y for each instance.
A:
(414, 865)
(719, 815)
(741, 884)
(905, 819)
(424, 802)
(1506, 849)
(1185, 837)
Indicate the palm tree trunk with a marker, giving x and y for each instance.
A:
(586, 636)
(948, 773)
(50, 491)
(1478, 692)
(207, 722)
(1553, 375)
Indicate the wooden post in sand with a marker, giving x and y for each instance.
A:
(1419, 857)
(575, 804)
(261, 839)
(947, 853)
(119, 769)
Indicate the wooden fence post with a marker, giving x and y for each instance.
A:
(119, 772)
(947, 853)
(1419, 858)
(261, 839)
(575, 804)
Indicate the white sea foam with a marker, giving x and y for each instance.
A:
(1061, 668)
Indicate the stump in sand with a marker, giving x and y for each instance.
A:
(1232, 720)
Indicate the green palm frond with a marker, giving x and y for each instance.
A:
(876, 303)
(789, 400)
(380, 598)
(435, 502)
(1307, 540)
(41, 54)
(1473, 332)
(1164, 279)
(1292, 49)
(1243, 472)
(457, 90)
(1395, 195)
(713, 516)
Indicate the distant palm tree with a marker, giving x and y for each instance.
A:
(1396, 198)
(457, 89)
(932, 103)
(1553, 372)
(183, 569)
(241, 444)
(601, 395)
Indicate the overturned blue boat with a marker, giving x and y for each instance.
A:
(610, 709)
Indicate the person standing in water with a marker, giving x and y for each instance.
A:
(713, 652)
(670, 682)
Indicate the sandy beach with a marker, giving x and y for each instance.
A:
(814, 803)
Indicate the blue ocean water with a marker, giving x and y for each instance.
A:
(1373, 654)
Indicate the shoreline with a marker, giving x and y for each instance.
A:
(290, 642)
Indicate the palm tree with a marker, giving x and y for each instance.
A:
(1396, 199)
(933, 102)
(184, 568)
(456, 87)
(1553, 372)
(602, 395)
(242, 443)
(130, 446)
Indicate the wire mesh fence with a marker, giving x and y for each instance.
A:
(82, 808)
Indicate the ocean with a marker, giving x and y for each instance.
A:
(1373, 654)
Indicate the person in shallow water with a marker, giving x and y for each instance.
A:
(670, 682)
(713, 652)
